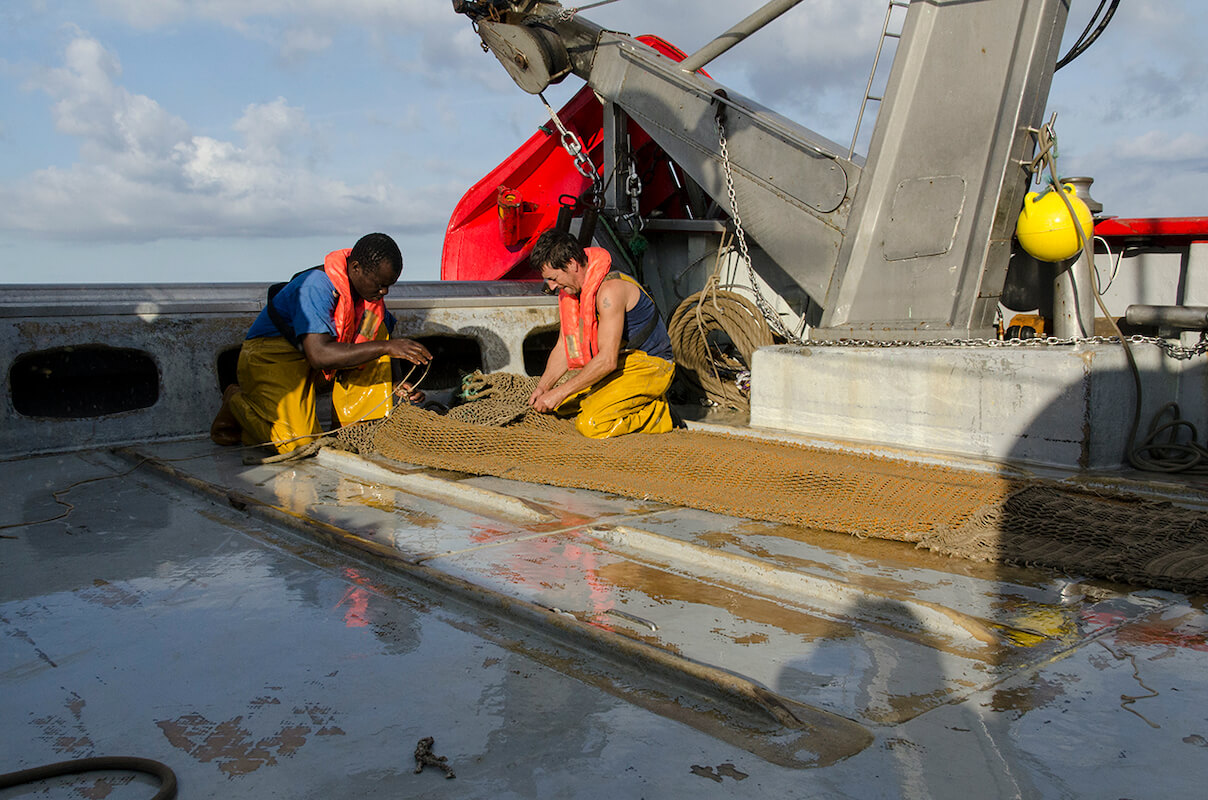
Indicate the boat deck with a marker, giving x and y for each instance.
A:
(294, 629)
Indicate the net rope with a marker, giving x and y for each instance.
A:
(975, 515)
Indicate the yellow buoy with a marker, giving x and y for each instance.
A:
(1045, 228)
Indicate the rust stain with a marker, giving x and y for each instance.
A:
(288, 741)
(64, 736)
(230, 745)
(103, 787)
(68, 744)
(730, 771)
(1023, 699)
(318, 714)
(109, 595)
(726, 770)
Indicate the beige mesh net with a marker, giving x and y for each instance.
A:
(969, 514)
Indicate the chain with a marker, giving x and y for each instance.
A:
(1175, 351)
(633, 189)
(1170, 348)
(765, 308)
(574, 148)
(567, 14)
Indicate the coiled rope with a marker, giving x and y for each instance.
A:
(702, 363)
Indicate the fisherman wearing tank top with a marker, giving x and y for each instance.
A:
(612, 335)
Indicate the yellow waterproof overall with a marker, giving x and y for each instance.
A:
(630, 399)
(277, 403)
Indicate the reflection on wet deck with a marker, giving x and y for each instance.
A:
(170, 613)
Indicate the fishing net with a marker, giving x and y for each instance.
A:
(956, 512)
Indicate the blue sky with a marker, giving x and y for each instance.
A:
(228, 140)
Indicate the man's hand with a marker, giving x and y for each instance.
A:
(406, 391)
(546, 400)
(408, 350)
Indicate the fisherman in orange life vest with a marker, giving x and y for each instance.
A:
(328, 321)
(612, 334)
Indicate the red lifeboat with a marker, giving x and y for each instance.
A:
(493, 227)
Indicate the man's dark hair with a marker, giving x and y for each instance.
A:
(556, 250)
(374, 248)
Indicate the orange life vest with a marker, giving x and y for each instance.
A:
(577, 313)
(356, 320)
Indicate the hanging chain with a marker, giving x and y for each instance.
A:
(574, 147)
(567, 14)
(633, 189)
(765, 308)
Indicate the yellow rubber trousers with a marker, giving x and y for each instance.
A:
(630, 399)
(276, 404)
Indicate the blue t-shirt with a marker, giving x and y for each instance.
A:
(308, 303)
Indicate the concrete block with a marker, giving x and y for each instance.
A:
(1069, 406)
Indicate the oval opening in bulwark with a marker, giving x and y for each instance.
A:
(537, 346)
(90, 380)
(452, 358)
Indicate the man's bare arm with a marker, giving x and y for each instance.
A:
(324, 351)
(611, 301)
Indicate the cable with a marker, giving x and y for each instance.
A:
(1080, 46)
(167, 778)
(68, 507)
(1149, 455)
(1115, 265)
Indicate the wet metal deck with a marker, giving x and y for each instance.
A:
(292, 630)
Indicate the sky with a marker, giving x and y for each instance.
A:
(241, 140)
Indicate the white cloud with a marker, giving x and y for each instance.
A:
(143, 175)
(1161, 147)
(126, 131)
(299, 43)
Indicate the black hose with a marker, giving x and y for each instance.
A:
(167, 778)
(1079, 47)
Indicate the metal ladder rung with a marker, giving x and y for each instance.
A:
(885, 34)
